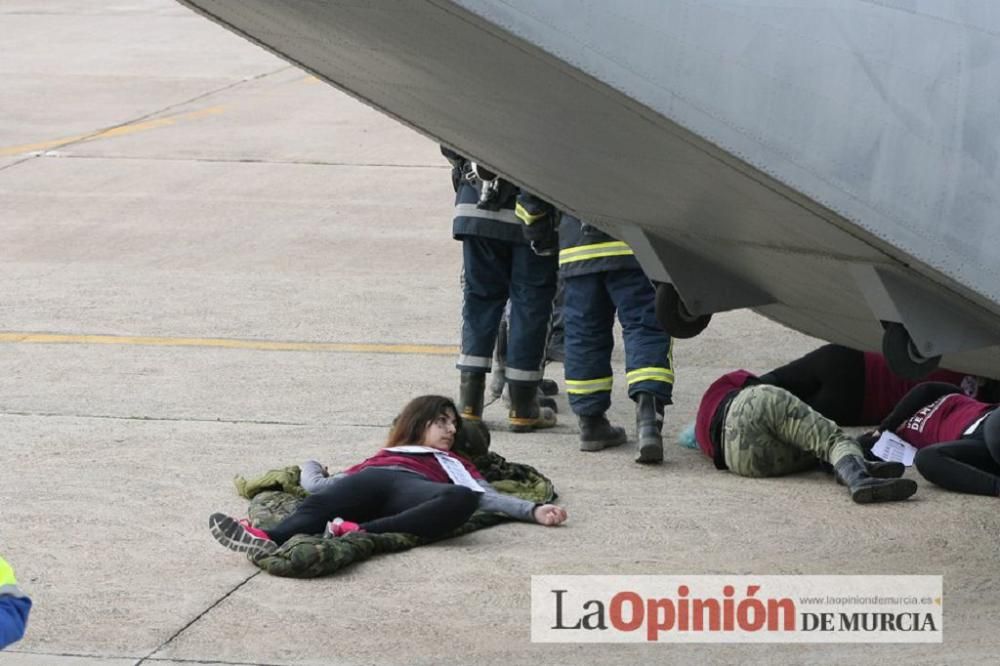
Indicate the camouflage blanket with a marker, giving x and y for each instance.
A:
(277, 493)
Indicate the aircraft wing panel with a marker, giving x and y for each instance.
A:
(832, 158)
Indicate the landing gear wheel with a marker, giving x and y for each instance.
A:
(902, 354)
(674, 316)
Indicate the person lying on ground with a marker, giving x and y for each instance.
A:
(957, 437)
(759, 430)
(856, 388)
(415, 485)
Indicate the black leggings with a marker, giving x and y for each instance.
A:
(969, 465)
(383, 500)
(830, 379)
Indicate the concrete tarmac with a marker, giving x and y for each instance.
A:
(212, 264)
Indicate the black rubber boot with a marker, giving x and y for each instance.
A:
(543, 400)
(881, 469)
(852, 472)
(596, 434)
(474, 437)
(649, 426)
(525, 413)
(549, 387)
(471, 387)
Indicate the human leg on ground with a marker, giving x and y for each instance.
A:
(486, 275)
(532, 290)
(965, 466)
(770, 432)
(830, 379)
(357, 497)
(424, 508)
(588, 316)
(648, 357)
(383, 500)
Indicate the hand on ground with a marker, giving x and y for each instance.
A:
(550, 515)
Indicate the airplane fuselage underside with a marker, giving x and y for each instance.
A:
(831, 165)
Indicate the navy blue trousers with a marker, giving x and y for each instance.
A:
(591, 302)
(494, 271)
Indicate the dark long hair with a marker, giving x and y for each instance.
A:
(409, 426)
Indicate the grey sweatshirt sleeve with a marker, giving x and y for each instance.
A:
(515, 507)
(311, 477)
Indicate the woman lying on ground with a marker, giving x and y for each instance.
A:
(758, 430)
(958, 437)
(415, 485)
(856, 388)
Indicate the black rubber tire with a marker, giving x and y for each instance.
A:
(902, 355)
(674, 318)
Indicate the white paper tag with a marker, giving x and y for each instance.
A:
(455, 470)
(891, 448)
(413, 449)
(457, 473)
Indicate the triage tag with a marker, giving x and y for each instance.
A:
(891, 448)
(455, 470)
(457, 473)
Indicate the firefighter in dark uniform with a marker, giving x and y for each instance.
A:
(499, 264)
(602, 277)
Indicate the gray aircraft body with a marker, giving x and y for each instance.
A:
(831, 164)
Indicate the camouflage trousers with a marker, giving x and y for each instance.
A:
(770, 432)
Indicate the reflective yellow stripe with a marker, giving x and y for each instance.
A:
(594, 251)
(590, 382)
(526, 217)
(584, 386)
(661, 374)
(595, 247)
(6, 574)
(652, 374)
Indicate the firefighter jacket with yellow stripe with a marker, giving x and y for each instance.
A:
(497, 221)
(489, 215)
(584, 249)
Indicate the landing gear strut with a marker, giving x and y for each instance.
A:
(674, 316)
(902, 354)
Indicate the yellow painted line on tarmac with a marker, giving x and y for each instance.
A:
(123, 130)
(224, 343)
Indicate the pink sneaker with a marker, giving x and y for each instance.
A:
(240, 535)
(339, 527)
